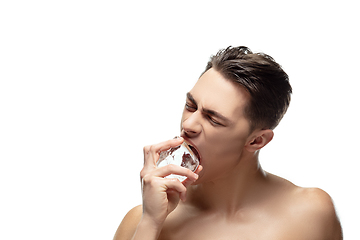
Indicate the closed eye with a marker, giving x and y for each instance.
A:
(213, 121)
(190, 107)
(209, 114)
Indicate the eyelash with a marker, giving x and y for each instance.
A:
(212, 121)
(191, 108)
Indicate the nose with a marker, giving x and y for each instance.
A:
(191, 125)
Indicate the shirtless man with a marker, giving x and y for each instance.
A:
(228, 117)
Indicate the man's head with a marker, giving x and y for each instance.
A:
(231, 111)
(264, 79)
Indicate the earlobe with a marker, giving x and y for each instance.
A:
(262, 138)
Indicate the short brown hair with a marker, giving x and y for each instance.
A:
(264, 79)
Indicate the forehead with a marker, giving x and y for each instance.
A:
(213, 91)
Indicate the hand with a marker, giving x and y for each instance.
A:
(162, 195)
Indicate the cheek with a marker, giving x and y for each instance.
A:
(223, 153)
(227, 141)
(227, 149)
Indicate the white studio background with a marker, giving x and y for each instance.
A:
(84, 85)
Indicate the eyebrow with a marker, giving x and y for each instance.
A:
(208, 111)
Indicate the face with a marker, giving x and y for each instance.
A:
(213, 120)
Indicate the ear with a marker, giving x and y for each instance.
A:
(259, 139)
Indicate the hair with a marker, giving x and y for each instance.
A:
(263, 78)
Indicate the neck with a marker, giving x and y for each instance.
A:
(232, 192)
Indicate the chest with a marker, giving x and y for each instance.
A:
(217, 228)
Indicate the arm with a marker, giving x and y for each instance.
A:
(134, 226)
(129, 224)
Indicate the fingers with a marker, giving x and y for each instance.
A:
(151, 153)
(163, 146)
(173, 184)
(168, 170)
(168, 144)
(174, 169)
(154, 178)
(161, 195)
(163, 185)
(187, 182)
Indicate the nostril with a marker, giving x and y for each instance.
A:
(191, 127)
(188, 130)
(190, 133)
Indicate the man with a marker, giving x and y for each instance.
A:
(228, 117)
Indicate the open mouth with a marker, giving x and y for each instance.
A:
(195, 151)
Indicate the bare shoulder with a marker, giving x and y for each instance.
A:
(315, 199)
(129, 224)
(316, 213)
(310, 211)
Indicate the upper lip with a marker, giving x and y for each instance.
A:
(192, 145)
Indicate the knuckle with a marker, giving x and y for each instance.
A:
(175, 180)
(142, 174)
(149, 180)
(151, 148)
(171, 167)
(189, 172)
(146, 179)
(146, 149)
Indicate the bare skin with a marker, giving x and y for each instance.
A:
(229, 196)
